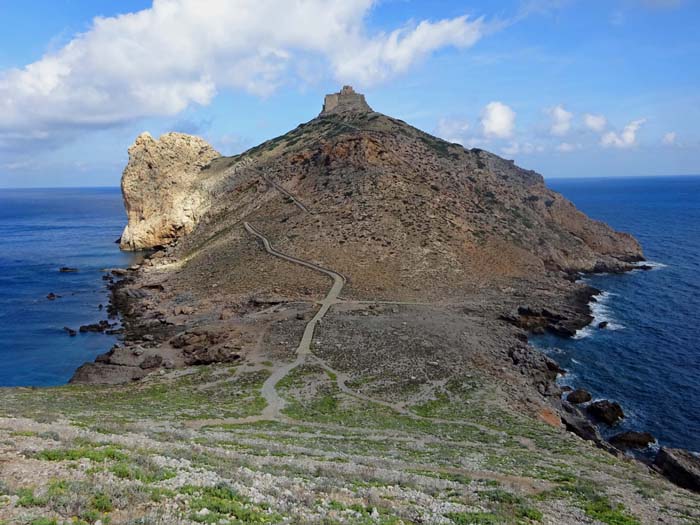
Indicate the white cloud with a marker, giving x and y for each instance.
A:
(561, 120)
(498, 120)
(567, 147)
(452, 129)
(381, 57)
(595, 123)
(179, 53)
(670, 138)
(626, 139)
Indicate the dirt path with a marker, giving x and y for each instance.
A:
(275, 403)
(279, 188)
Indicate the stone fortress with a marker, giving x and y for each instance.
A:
(347, 100)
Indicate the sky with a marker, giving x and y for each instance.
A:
(569, 88)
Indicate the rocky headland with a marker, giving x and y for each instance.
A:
(332, 327)
(163, 195)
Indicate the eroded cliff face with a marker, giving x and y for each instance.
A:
(162, 189)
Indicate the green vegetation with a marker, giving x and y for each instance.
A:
(186, 397)
(347, 459)
(144, 471)
(93, 454)
(475, 518)
(28, 499)
(212, 504)
(595, 504)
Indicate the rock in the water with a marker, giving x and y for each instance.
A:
(66, 269)
(603, 324)
(609, 412)
(679, 466)
(162, 188)
(579, 396)
(70, 331)
(52, 296)
(575, 422)
(632, 440)
(96, 327)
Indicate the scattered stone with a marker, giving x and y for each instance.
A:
(151, 361)
(632, 440)
(609, 412)
(680, 466)
(579, 396)
(183, 310)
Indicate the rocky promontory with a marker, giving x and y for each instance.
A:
(332, 327)
(163, 195)
(404, 216)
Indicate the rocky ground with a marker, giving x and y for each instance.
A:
(362, 359)
(176, 448)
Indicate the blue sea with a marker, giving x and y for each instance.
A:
(40, 232)
(648, 359)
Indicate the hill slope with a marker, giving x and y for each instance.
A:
(336, 334)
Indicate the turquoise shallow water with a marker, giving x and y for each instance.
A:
(649, 358)
(41, 231)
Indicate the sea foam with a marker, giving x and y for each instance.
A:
(601, 313)
(651, 264)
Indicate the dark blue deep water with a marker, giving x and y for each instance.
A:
(649, 360)
(41, 231)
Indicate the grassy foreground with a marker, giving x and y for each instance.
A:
(182, 447)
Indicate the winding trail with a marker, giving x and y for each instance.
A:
(289, 195)
(275, 403)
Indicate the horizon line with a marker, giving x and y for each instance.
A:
(556, 177)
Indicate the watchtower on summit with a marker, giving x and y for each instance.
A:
(347, 100)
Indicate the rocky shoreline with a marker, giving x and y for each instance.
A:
(583, 416)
